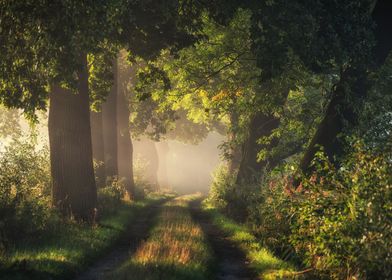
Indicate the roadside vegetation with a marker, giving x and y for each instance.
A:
(261, 259)
(300, 93)
(36, 242)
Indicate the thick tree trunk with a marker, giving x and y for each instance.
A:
(98, 147)
(339, 112)
(125, 147)
(261, 125)
(74, 190)
(353, 86)
(109, 116)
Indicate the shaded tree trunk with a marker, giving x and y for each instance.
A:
(261, 125)
(98, 147)
(125, 147)
(109, 116)
(353, 86)
(74, 190)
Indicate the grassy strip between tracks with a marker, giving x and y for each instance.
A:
(176, 248)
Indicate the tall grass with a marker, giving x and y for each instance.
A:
(176, 248)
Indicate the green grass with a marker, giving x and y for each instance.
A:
(176, 249)
(71, 247)
(266, 265)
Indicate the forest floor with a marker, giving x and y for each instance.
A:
(180, 239)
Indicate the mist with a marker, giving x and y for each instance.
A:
(184, 168)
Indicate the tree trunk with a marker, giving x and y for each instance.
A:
(261, 125)
(125, 147)
(98, 147)
(74, 190)
(353, 86)
(109, 115)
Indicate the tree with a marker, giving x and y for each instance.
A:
(74, 190)
(354, 85)
(109, 118)
(125, 146)
(98, 147)
(46, 43)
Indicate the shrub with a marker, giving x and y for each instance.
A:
(273, 213)
(222, 188)
(24, 190)
(226, 195)
(344, 218)
(142, 186)
(110, 196)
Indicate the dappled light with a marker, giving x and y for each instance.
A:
(195, 140)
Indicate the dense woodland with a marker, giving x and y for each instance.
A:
(300, 91)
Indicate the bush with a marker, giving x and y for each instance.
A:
(110, 196)
(142, 186)
(24, 190)
(273, 213)
(344, 218)
(222, 188)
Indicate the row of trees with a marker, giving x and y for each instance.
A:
(255, 54)
(50, 50)
(301, 90)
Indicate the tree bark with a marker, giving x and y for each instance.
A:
(261, 125)
(74, 190)
(353, 86)
(98, 147)
(109, 116)
(125, 147)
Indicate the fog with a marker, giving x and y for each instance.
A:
(169, 164)
(184, 168)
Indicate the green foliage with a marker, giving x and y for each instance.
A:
(24, 190)
(142, 185)
(298, 118)
(338, 221)
(271, 214)
(222, 187)
(70, 247)
(100, 78)
(344, 217)
(9, 125)
(261, 259)
(110, 196)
